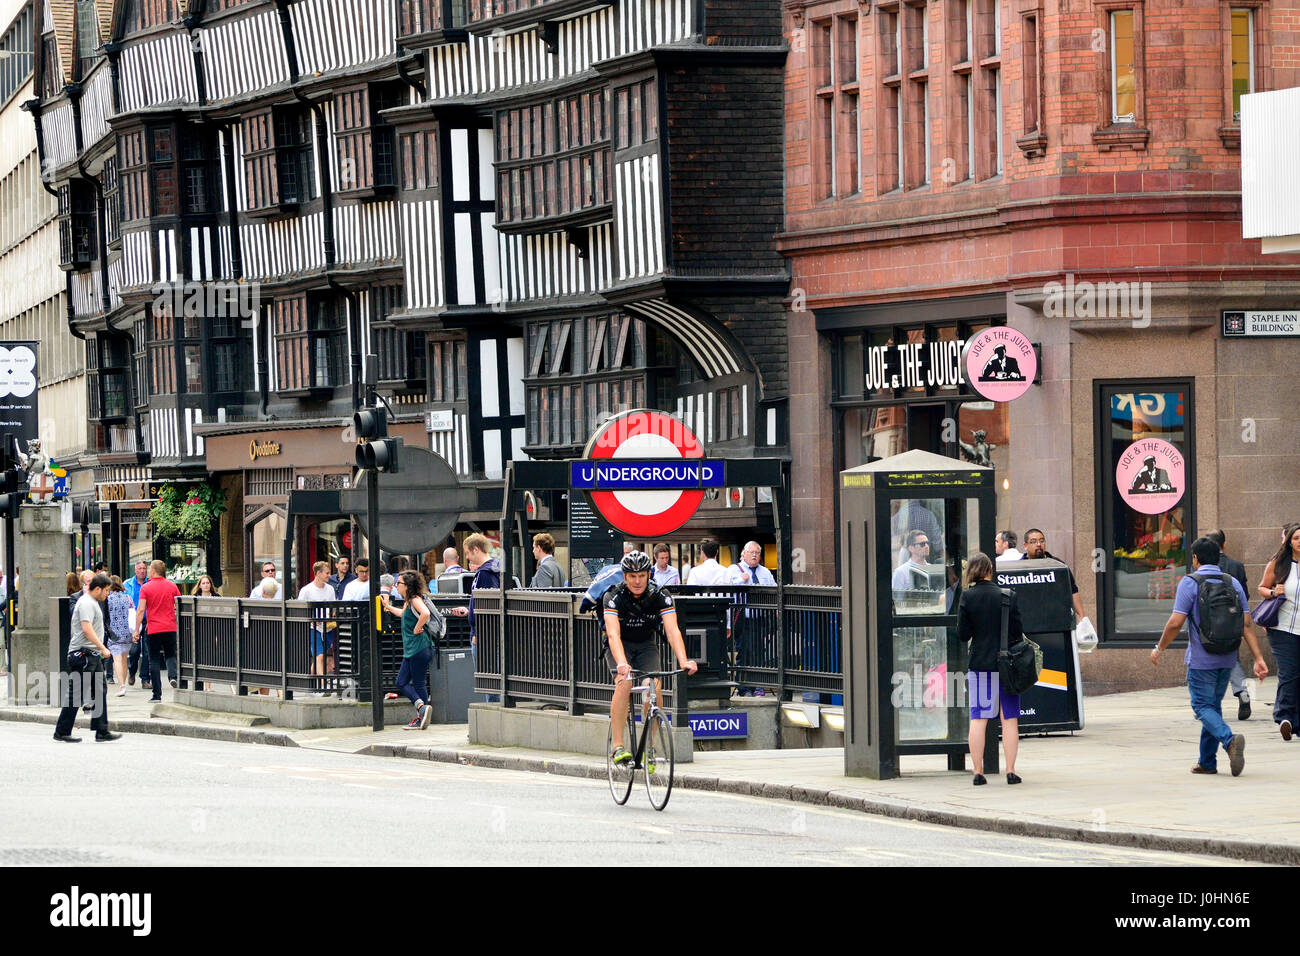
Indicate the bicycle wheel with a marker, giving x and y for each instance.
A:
(658, 759)
(620, 777)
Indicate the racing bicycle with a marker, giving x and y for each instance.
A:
(653, 753)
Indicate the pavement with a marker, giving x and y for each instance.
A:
(1124, 781)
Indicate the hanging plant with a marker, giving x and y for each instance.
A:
(203, 505)
(166, 513)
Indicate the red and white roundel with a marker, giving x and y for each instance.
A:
(645, 434)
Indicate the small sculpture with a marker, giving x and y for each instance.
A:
(980, 451)
(34, 462)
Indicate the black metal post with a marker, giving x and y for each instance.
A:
(372, 543)
(11, 487)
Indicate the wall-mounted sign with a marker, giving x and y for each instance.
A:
(263, 449)
(1150, 476)
(443, 420)
(1000, 363)
(1257, 323)
(914, 365)
(623, 475)
(631, 446)
(19, 413)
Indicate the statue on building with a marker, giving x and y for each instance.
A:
(979, 451)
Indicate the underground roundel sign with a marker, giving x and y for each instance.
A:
(645, 473)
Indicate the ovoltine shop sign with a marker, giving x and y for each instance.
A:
(262, 449)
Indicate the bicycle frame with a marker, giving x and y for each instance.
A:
(650, 707)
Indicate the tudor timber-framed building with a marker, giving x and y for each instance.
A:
(534, 213)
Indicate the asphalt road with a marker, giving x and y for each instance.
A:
(177, 801)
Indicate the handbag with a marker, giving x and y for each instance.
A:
(1265, 613)
(1019, 666)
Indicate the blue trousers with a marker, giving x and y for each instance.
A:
(1207, 689)
(411, 676)
(1286, 651)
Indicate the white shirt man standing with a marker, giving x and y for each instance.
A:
(708, 572)
(1005, 543)
(322, 632)
(359, 588)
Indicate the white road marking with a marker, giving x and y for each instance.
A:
(422, 796)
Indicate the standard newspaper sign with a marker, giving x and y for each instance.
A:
(1043, 595)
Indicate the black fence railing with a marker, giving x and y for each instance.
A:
(271, 644)
(550, 650)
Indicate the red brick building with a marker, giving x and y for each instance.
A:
(1070, 168)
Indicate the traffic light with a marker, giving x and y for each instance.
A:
(10, 503)
(376, 451)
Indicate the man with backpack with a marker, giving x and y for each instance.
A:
(1218, 617)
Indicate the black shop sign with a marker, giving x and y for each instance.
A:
(914, 365)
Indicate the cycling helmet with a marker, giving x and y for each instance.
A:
(636, 561)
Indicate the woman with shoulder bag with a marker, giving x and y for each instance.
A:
(979, 621)
(1282, 580)
(419, 627)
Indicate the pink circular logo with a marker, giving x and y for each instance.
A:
(1150, 476)
(1000, 363)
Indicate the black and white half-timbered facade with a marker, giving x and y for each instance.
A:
(535, 213)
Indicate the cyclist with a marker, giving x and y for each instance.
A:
(633, 612)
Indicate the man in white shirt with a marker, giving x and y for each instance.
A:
(268, 572)
(451, 562)
(708, 572)
(746, 624)
(1005, 542)
(322, 633)
(359, 588)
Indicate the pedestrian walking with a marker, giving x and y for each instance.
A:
(663, 573)
(120, 607)
(421, 626)
(84, 665)
(139, 658)
(1282, 579)
(1214, 606)
(979, 621)
(204, 587)
(158, 601)
(549, 573)
(318, 591)
(1235, 569)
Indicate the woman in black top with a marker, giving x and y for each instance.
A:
(979, 620)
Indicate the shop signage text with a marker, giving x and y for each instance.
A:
(1255, 323)
(264, 449)
(914, 365)
(622, 475)
(1151, 476)
(726, 725)
(1001, 363)
(443, 420)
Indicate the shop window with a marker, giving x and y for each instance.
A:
(1144, 526)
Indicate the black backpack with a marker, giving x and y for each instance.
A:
(1221, 618)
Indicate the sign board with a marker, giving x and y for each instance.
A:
(914, 364)
(19, 412)
(1000, 363)
(589, 536)
(723, 725)
(1248, 323)
(1043, 595)
(1150, 476)
(634, 451)
(442, 420)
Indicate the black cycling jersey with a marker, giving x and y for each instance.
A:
(639, 618)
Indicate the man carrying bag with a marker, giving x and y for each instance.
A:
(86, 653)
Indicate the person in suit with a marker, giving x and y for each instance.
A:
(1150, 479)
(1001, 367)
(1237, 679)
(549, 573)
(979, 621)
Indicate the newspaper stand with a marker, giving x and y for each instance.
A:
(903, 663)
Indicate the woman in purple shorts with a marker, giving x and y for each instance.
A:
(979, 620)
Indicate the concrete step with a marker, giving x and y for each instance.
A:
(196, 715)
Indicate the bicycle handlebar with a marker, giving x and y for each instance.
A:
(645, 674)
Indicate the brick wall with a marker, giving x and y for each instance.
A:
(725, 128)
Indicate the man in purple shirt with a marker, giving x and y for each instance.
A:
(1207, 674)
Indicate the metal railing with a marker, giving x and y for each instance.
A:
(547, 650)
(268, 644)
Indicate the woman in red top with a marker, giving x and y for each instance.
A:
(158, 602)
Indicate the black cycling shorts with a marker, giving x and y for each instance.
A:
(642, 655)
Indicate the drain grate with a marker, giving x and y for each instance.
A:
(49, 856)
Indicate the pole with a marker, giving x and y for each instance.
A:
(11, 487)
(372, 545)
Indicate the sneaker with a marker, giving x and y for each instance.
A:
(121, 693)
(426, 715)
(172, 682)
(1285, 727)
(1199, 769)
(1237, 754)
(1243, 706)
(621, 756)
(414, 724)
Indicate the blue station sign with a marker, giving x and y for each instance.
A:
(723, 725)
(663, 475)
